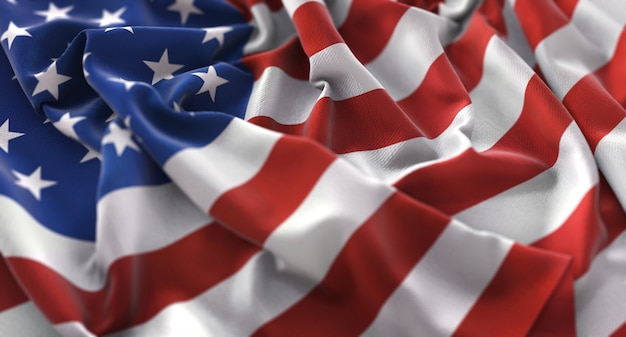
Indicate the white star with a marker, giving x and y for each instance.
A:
(91, 154)
(55, 13)
(50, 80)
(211, 82)
(12, 32)
(163, 70)
(109, 18)
(120, 138)
(127, 84)
(184, 7)
(215, 33)
(33, 182)
(66, 125)
(126, 28)
(6, 136)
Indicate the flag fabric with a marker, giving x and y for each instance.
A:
(313, 168)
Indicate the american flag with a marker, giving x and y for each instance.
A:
(313, 168)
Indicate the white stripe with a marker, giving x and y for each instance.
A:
(565, 57)
(443, 286)
(498, 98)
(130, 221)
(339, 10)
(538, 206)
(610, 154)
(339, 74)
(270, 29)
(596, 24)
(258, 292)
(73, 329)
(310, 238)
(31, 239)
(583, 45)
(395, 161)
(458, 9)
(415, 43)
(601, 292)
(291, 104)
(292, 5)
(139, 219)
(230, 160)
(305, 244)
(25, 320)
(516, 38)
(400, 68)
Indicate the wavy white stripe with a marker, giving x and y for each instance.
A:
(228, 161)
(538, 206)
(292, 5)
(610, 154)
(582, 46)
(415, 43)
(443, 286)
(399, 69)
(259, 291)
(601, 292)
(130, 221)
(291, 104)
(311, 237)
(498, 98)
(270, 29)
(25, 320)
(298, 254)
(139, 219)
(391, 163)
(31, 239)
(73, 329)
(497, 103)
(339, 74)
(566, 57)
(516, 38)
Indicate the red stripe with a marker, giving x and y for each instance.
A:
(12, 294)
(620, 332)
(530, 147)
(376, 21)
(467, 53)
(467, 179)
(580, 236)
(539, 19)
(137, 286)
(437, 100)
(365, 122)
(558, 317)
(593, 109)
(369, 268)
(244, 6)
(289, 57)
(492, 11)
(567, 6)
(612, 74)
(516, 295)
(428, 111)
(315, 27)
(290, 172)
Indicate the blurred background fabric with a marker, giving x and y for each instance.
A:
(313, 168)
